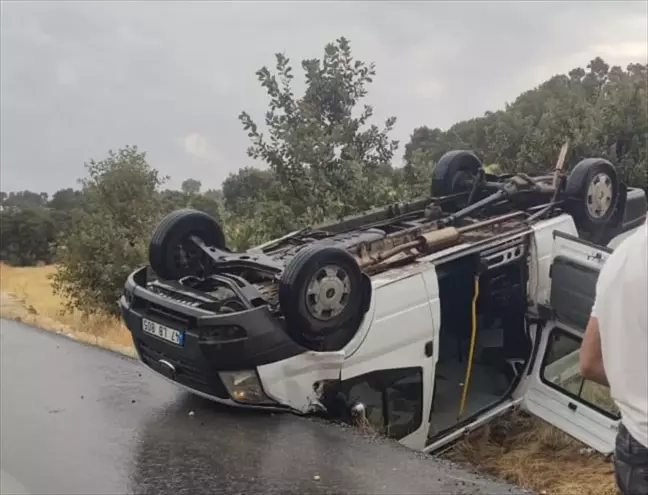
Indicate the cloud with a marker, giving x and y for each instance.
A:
(429, 90)
(628, 51)
(66, 75)
(79, 78)
(198, 146)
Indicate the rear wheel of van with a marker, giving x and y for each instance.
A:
(592, 192)
(455, 172)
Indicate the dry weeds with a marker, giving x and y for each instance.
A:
(532, 454)
(520, 449)
(27, 296)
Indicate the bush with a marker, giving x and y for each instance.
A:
(109, 239)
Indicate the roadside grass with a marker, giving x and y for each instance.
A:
(517, 448)
(530, 453)
(28, 297)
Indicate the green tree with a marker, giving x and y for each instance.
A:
(66, 199)
(424, 149)
(601, 109)
(173, 200)
(110, 238)
(246, 189)
(191, 186)
(27, 236)
(327, 161)
(24, 199)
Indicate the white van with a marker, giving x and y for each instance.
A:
(424, 319)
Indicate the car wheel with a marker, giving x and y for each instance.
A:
(172, 254)
(322, 297)
(592, 192)
(455, 172)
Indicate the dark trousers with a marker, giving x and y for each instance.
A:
(630, 464)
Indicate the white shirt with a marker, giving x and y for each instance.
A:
(621, 308)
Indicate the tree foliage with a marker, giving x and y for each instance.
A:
(327, 161)
(191, 187)
(602, 109)
(27, 236)
(322, 159)
(110, 237)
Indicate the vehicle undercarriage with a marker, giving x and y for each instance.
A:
(316, 282)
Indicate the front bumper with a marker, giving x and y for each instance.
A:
(213, 342)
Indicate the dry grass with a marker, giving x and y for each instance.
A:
(28, 297)
(532, 454)
(520, 449)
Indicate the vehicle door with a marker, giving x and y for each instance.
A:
(555, 390)
(392, 371)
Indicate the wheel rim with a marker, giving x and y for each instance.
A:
(328, 292)
(599, 195)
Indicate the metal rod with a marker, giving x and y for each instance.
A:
(491, 221)
(539, 214)
(478, 180)
(471, 351)
(487, 201)
(560, 163)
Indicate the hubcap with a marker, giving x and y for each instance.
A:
(599, 195)
(328, 292)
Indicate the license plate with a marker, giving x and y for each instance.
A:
(163, 332)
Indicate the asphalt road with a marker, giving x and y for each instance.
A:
(77, 419)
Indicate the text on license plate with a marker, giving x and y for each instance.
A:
(163, 332)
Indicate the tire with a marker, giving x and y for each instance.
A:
(453, 166)
(592, 192)
(172, 255)
(327, 327)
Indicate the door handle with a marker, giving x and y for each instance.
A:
(572, 406)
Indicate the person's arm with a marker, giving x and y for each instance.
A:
(591, 357)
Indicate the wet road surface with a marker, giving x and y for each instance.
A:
(77, 419)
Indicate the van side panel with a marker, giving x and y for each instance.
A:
(401, 340)
(541, 255)
(432, 286)
(402, 324)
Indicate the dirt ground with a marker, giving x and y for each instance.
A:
(517, 448)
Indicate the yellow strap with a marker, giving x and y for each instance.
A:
(471, 353)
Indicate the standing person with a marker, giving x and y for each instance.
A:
(615, 353)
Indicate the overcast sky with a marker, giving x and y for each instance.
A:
(79, 78)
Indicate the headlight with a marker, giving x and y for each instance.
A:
(245, 387)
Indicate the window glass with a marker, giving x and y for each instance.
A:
(561, 370)
(393, 400)
(405, 404)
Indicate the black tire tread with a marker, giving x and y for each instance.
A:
(575, 190)
(160, 231)
(290, 276)
(448, 166)
(290, 273)
(166, 227)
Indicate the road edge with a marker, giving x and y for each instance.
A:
(12, 309)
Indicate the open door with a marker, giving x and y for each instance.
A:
(556, 392)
